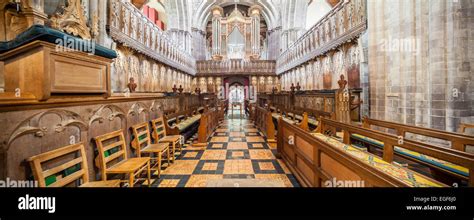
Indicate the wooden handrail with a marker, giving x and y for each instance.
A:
(458, 141)
(391, 141)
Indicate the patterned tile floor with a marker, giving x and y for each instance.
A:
(236, 150)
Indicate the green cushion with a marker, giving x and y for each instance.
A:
(72, 170)
(46, 34)
(142, 137)
(50, 180)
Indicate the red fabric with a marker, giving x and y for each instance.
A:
(152, 14)
(159, 24)
(145, 10)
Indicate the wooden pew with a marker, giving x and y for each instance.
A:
(74, 171)
(314, 115)
(463, 128)
(317, 160)
(306, 119)
(113, 159)
(457, 141)
(448, 159)
(207, 125)
(223, 108)
(183, 123)
(264, 121)
(251, 111)
(441, 169)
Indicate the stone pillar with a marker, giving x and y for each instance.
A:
(274, 43)
(420, 60)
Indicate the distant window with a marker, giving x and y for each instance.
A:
(316, 10)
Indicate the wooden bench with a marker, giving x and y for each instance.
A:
(112, 158)
(74, 171)
(209, 123)
(223, 108)
(463, 128)
(142, 144)
(450, 161)
(441, 169)
(313, 116)
(264, 121)
(183, 123)
(317, 160)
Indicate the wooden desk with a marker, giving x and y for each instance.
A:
(235, 104)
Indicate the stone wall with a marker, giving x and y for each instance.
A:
(421, 55)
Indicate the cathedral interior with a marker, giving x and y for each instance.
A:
(237, 93)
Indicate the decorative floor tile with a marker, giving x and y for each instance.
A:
(172, 181)
(261, 154)
(181, 167)
(284, 167)
(238, 167)
(267, 167)
(257, 146)
(214, 155)
(236, 151)
(237, 139)
(280, 177)
(217, 146)
(255, 139)
(191, 155)
(237, 134)
(219, 139)
(209, 167)
(201, 180)
(237, 154)
(237, 146)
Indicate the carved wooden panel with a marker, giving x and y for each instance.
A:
(29, 133)
(42, 131)
(76, 76)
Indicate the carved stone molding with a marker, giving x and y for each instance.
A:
(155, 106)
(72, 20)
(138, 108)
(98, 114)
(32, 124)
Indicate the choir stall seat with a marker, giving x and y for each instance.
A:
(112, 158)
(142, 144)
(183, 123)
(73, 171)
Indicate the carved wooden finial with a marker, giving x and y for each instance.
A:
(72, 20)
(132, 86)
(342, 82)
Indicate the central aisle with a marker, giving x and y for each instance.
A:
(237, 156)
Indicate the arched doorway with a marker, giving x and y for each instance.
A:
(236, 93)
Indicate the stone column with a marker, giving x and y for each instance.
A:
(420, 60)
